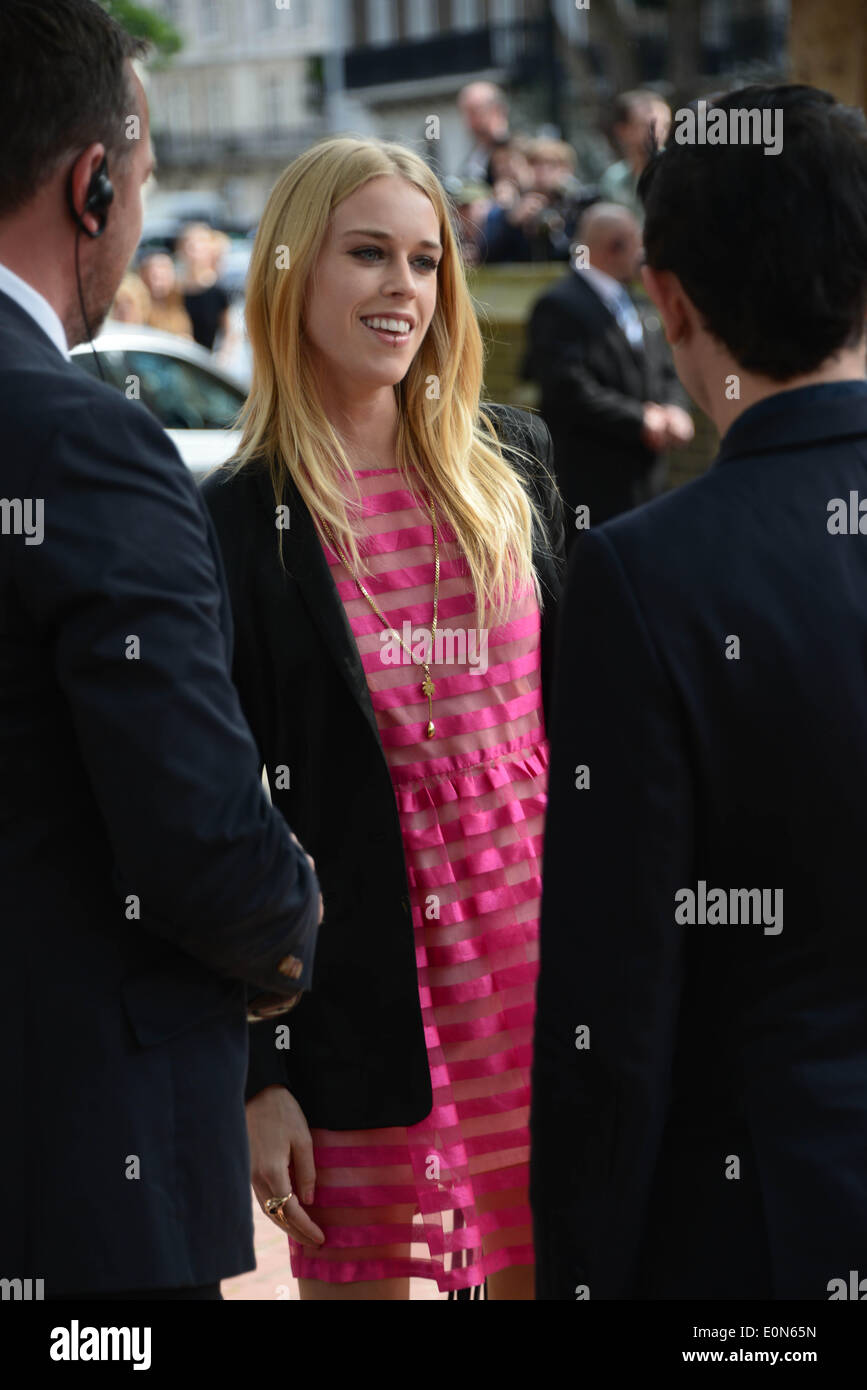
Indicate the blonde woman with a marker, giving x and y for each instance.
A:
(393, 553)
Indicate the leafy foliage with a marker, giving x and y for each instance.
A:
(146, 24)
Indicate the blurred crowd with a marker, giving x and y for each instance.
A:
(593, 347)
(183, 291)
(520, 198)
(517, 198)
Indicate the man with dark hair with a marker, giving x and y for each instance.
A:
(147, 883)
(699, 1114)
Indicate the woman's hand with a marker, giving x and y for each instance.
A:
(281, 1156)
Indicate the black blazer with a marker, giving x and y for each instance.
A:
(357, 1055)
(711, 1047)
(593, 384)
(123, 1028)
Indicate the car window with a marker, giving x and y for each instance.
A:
(113, 365)
(181, 394)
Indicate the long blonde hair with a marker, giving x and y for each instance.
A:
(442, 430)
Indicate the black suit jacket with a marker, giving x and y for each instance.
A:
(356, 1056)
(710, 1140)
(593, 384)
(145, 878)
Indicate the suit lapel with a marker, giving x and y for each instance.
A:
(631, 359)
(306, 562)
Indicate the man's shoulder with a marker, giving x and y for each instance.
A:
(39, 386)
(54, 414)
(716, 524)
(671, 532)
(571, 292)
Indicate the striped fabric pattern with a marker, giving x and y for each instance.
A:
(446, 1199)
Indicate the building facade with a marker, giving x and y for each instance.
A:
(258, 80)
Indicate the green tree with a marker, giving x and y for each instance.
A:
(146, 24)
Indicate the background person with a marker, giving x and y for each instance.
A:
(536, 213)
(638, 117)
(471, 203)
(484, 110)
(609, 392)
(132, 302)
(206, 300)
(167, 312)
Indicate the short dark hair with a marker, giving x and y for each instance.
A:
(628, 104)
(771, 249)
(63, 86)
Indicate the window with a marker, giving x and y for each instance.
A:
(211, 17)
(218, 102)
(420, 19)
(113, 365)
(272, 105)
(379, 22)
(182, 395)
(466, 14)
(180, 112)
(297, 12)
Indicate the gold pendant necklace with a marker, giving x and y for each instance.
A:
(427, 688)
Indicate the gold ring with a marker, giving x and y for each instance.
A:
(274, 1207)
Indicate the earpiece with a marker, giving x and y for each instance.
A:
(98, 200)
(100, 195)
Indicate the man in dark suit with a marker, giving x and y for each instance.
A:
(609, 392)
(699, 1119)
(146, 880)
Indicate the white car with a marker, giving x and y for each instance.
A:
(194, 400)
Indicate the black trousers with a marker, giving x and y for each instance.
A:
(201, 1291)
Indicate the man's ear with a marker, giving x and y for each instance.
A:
(667, 293)
(78, 182)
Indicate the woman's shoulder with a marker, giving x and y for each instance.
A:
(241, 507)
(228, 488)
(529, 433)
(521, 428)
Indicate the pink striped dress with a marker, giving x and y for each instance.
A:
(446, 1199)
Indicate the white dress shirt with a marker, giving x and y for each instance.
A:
(36, 305)
(618, 299)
